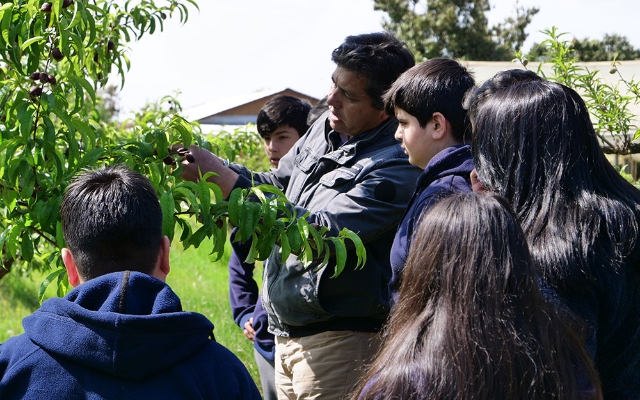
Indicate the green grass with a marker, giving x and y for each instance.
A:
(201, 284)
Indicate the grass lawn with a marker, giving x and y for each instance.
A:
(202, 286)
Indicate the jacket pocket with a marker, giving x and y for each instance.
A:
(306, 160)
(341, 177)
(293, 293)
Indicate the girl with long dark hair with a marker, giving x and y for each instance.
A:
(471, 321)
(534, 144)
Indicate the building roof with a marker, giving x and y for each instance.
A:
(240, 109)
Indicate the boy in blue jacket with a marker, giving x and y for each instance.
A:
(121, 332)
(434, 130)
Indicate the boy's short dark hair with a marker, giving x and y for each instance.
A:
(112, 221)
(283, 110)
(380, 57)
(436, 85)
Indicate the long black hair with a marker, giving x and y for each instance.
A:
(471, 321)
(534, 143)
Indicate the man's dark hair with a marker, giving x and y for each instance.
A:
(112, 221)
(436, 85)
(380, 57)
(283, 110)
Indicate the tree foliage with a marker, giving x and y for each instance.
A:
(609, 105)
(611, 47)
(55, 58)
(454, 28)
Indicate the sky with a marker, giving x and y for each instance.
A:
(232, 47)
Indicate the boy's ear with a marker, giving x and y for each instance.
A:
(441, 127)
(70, 265)
(162, 267)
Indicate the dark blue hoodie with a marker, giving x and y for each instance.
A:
(447, 173)
(120, 336)
(245, 300)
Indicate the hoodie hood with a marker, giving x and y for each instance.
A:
(452, 161)
(127, 324)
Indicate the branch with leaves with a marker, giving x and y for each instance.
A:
(55, 58)
(608, 104)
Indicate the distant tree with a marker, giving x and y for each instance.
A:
(611, 47)
(609, 105)
(455, 28)
(107, 102)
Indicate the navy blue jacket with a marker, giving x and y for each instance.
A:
(120, 336)
(447, 173)
(244, 298)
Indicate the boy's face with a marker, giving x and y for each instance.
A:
(279, 143)
(417, 141)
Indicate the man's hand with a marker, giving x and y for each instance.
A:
(199, 161)
(248, 329)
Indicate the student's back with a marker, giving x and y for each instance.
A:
(121, 332)
(471, 322)
(534, 143)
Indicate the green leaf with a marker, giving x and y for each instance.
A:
(10, 199)
(253, 250)
(317, 238)
(184, 129)
(162, 144)
(235, 205)
(361, 252)
(188, 194)
(340, 254)
(6, 20)
(91, 157)
(66, 119)
(270, 189)
(84, 84)
(26, 247)
(285, 249)
(59, 235)
(197, 237)
(294, 239)
(57, 274)
(219, 240)
(267, 242)
(307, 255)
(250, 216)
(205, 198)
(269, 214)
(28, 42)
(25, 117)
(12, 241)
(168, 208)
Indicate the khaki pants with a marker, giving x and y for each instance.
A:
(322, 366)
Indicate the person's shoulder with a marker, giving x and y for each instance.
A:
(228, 372)
(16, 347)
(18, 356)
(224, 357)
